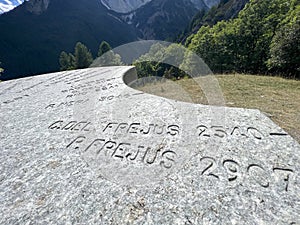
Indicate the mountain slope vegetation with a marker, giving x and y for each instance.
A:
(263, 38)
(31, 43)
(225, 10)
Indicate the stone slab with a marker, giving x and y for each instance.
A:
(82, 147)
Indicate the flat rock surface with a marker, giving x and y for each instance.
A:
(82, 147)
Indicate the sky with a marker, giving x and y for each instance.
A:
(7, 5)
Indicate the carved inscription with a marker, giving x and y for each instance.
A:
(16, 99)
(70, 125)
(80, 86)
(222, 132)
(126, 152)
(86, 86)
(114, 97)
(66, 104)
(138, 128)
(231, 170)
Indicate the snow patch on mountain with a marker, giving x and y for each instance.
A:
(123, 6)
(7, 5)
(211, 3)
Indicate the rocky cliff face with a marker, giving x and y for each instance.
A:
(123, 6)
(37, 6)
(120, 6)
(162, 19)
(202, 4)
(210, 3)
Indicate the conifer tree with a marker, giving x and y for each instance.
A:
(103, 48)
(83, 57)
(64, 61)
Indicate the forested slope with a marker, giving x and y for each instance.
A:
(264, 38)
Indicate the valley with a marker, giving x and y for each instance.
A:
(35, 32)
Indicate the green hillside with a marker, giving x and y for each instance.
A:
(264, 38)
(226, 10)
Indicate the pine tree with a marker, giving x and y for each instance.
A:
(64, 61)
(72, 65)
(103, 48)
(83, 57)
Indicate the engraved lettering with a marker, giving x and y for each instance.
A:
(85, 128)
(149, 128)
(255, 133)
(173, 130)
(135, 155)
(155, 155)
(56, 125)
(77, 126)
(96, 143)
(219, 131)
(120, 150)
(285, 173)
(109, 145)
(121, 126)
(237, 132)
(50, 106)
(69, 125)
(109, 126)
(232, 169)
(169, 159)
(77, 140)
(133, 128)
(210, 166)
(159, 129)
(203, 131)
(253, 170)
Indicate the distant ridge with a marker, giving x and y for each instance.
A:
(34, 33)
(31, 42)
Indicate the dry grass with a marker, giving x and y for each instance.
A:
(277, 97)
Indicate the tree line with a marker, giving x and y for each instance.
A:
(83, 58)
(263, 39)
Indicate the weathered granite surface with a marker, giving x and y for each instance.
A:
(81, 147)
